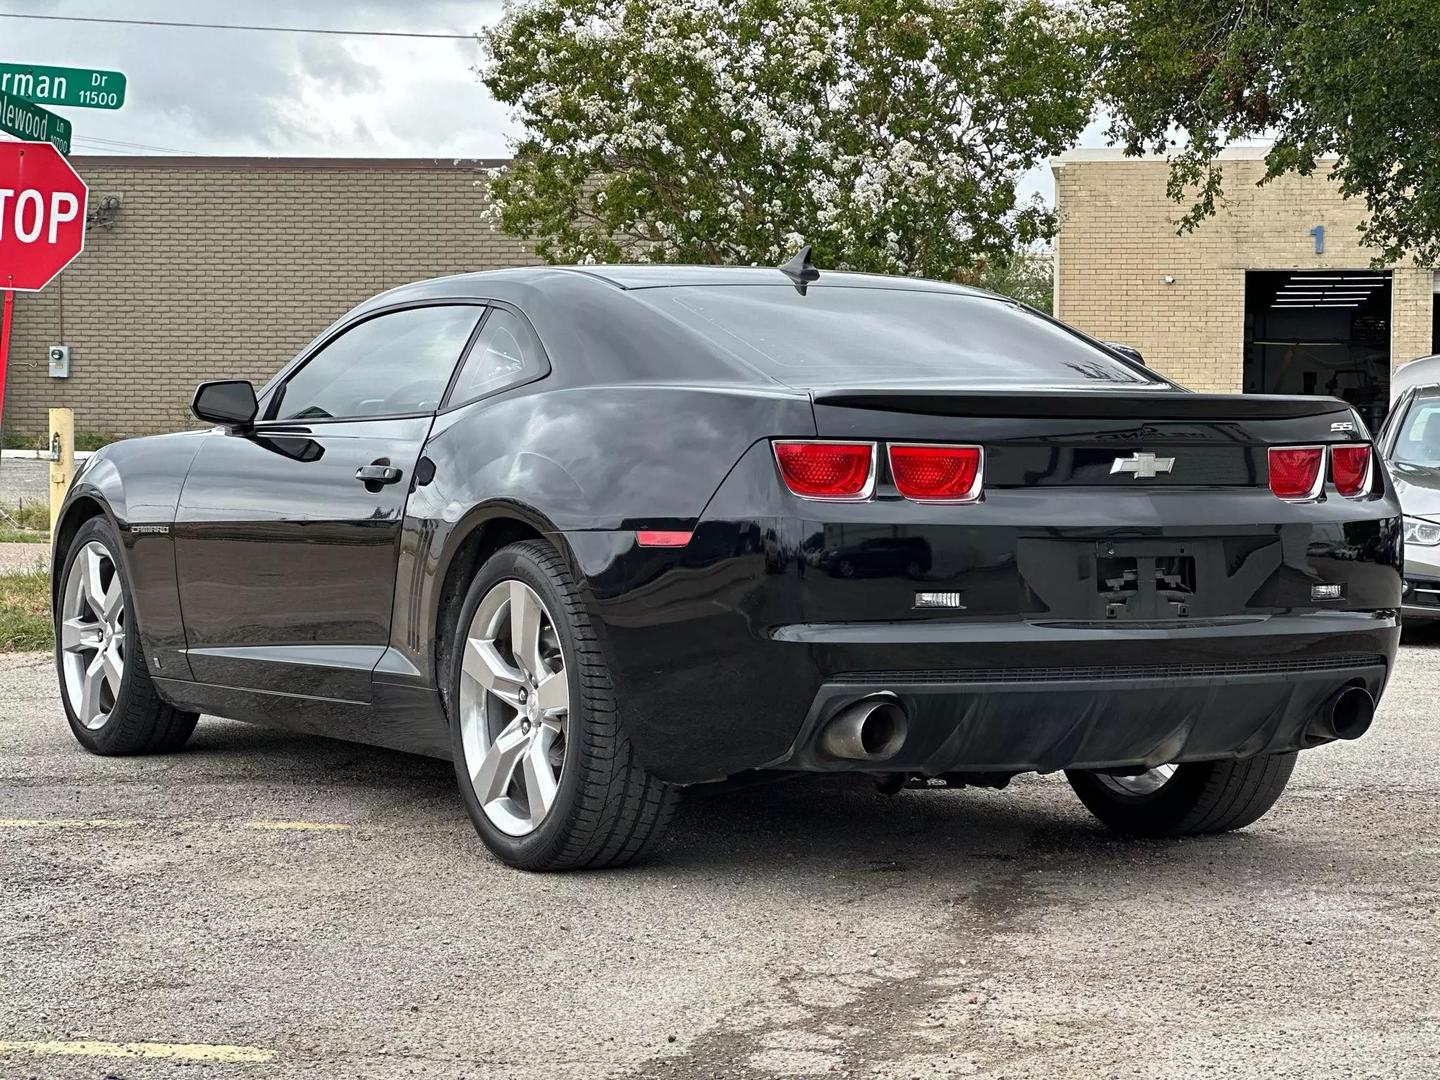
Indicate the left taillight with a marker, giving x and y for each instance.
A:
(835, 471)
(1297, 473)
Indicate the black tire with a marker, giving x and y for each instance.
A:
(1202, 797)
(608, 811)
(139, 721)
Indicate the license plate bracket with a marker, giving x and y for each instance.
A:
(1145, 581)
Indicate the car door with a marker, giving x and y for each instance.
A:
(286, 535)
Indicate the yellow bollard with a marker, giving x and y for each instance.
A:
(62, 459)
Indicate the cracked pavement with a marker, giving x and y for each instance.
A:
(327, 909)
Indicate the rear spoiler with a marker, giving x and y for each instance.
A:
(1085, 404)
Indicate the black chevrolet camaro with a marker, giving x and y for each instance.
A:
(599, 533)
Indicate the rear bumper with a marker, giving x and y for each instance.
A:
(713, 691)
(1048, 718)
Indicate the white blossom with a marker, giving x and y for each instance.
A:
(708, 129)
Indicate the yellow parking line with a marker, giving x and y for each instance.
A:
(225, 1055)
(115, 823)
(316, 826)
(67, 823)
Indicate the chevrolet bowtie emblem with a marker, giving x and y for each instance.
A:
(1142, 465)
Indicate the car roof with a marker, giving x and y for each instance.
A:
(1422, 371)
(655, 276)
(630, 276)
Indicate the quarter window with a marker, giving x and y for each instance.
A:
(506, 354)
(392, 364)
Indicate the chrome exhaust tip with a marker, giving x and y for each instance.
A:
(871, 729)
(1347, 715)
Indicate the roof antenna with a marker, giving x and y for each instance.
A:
(800, 270)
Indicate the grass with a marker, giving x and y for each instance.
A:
(25, 611)
(33, 515)
(28, 523)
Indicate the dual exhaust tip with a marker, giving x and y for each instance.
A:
(1347, 715)
(875, 727)
(871, 729)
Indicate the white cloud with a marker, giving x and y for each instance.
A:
(239, 92)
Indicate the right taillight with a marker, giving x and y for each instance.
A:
(931, 473)
(836, 471)
(1297, 473)
(1350, 469)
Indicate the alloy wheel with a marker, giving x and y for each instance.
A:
(1145, 783)
(514, 707)
(92, 635)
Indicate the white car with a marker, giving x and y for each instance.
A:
(1410, 445)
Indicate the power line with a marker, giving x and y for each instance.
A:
(95, 142)
(235, 26)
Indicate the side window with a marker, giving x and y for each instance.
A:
(1418, 438)
(394, 363)
(506, 353)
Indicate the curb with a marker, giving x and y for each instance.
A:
(38, 455)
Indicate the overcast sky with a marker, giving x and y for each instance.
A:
(238, 92)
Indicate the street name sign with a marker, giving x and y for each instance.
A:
(42, 215)
(84, 88)
(26, 120)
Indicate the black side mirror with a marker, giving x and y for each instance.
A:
(228, 401)
(1127, 351)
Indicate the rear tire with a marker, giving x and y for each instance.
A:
(603, 809)
(105, 687)
(1200, 797)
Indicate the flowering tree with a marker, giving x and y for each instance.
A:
(891, 134)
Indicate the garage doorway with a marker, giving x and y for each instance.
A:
(1321, 332)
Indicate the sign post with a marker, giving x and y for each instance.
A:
(62, 460)
(42, 226)
(84, 88)
(5, 353)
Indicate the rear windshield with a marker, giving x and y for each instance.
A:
(852, 337)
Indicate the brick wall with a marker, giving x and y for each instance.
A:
(1117, 244)
(226, 267)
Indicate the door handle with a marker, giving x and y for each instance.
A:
(377, 474)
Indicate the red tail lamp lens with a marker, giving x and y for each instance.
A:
(1350, 467)
(937, 473)
(1295, 471)
(827, 470)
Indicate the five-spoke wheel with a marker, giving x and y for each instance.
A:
(92, 635)
(110, 699)
(514, 707)
(547, 773)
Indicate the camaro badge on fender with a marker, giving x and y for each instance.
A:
(1143, 465)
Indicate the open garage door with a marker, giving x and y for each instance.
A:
(1320, 332)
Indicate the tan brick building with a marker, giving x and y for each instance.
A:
(220, 267)
(1246, 302)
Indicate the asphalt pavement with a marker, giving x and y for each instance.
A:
(264, 905)
(26, 479)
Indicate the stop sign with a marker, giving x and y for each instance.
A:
(42, 215)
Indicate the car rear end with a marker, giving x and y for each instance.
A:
(1093, 570)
